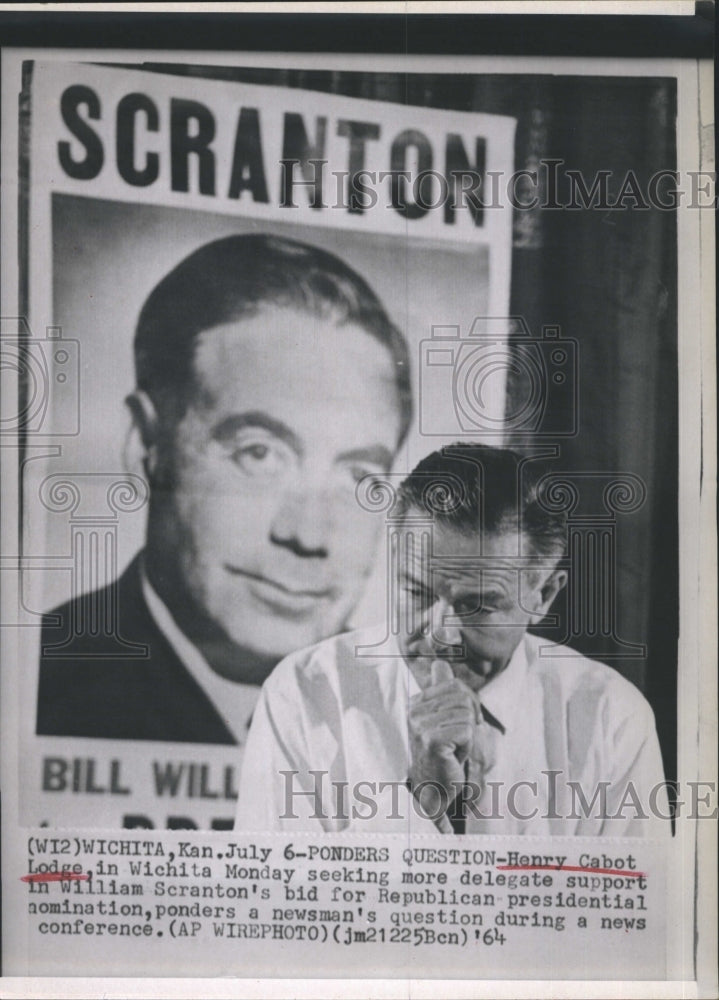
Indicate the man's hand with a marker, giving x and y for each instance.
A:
(442, 723)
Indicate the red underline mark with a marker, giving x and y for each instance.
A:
(570, 868)
(54, 877)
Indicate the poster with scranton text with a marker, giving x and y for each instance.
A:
(345, 617)
(143, 169)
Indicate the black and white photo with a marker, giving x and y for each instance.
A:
(355, 516)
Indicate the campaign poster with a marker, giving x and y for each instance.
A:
(129, 173)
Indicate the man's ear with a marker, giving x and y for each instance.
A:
(141, 446)
(551, 587)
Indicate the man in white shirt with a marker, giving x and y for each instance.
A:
(460, 721)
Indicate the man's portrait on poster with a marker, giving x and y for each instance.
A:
(269, 382)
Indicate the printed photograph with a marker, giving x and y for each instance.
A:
(352, 438)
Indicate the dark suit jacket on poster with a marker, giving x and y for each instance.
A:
(107, 671)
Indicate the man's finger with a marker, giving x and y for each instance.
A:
(433, 711)
(441, 671)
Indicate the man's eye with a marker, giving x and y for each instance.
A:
(464, 607)
(471, 606)
(416, 592)
(260, 458)
(357, 473)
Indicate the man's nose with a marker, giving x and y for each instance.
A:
(442, 634)
(302, 522)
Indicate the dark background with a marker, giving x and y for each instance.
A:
(646, 36)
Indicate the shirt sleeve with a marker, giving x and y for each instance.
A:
(637, 801)
(285, 780)
(279, 789)
(259, 806)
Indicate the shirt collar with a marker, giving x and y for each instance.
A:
(232, 700)
(502, 694)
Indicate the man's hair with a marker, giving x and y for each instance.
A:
(475, 488)
(235, 277)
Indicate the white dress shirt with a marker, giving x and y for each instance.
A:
(337, 725)
(233, 701)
